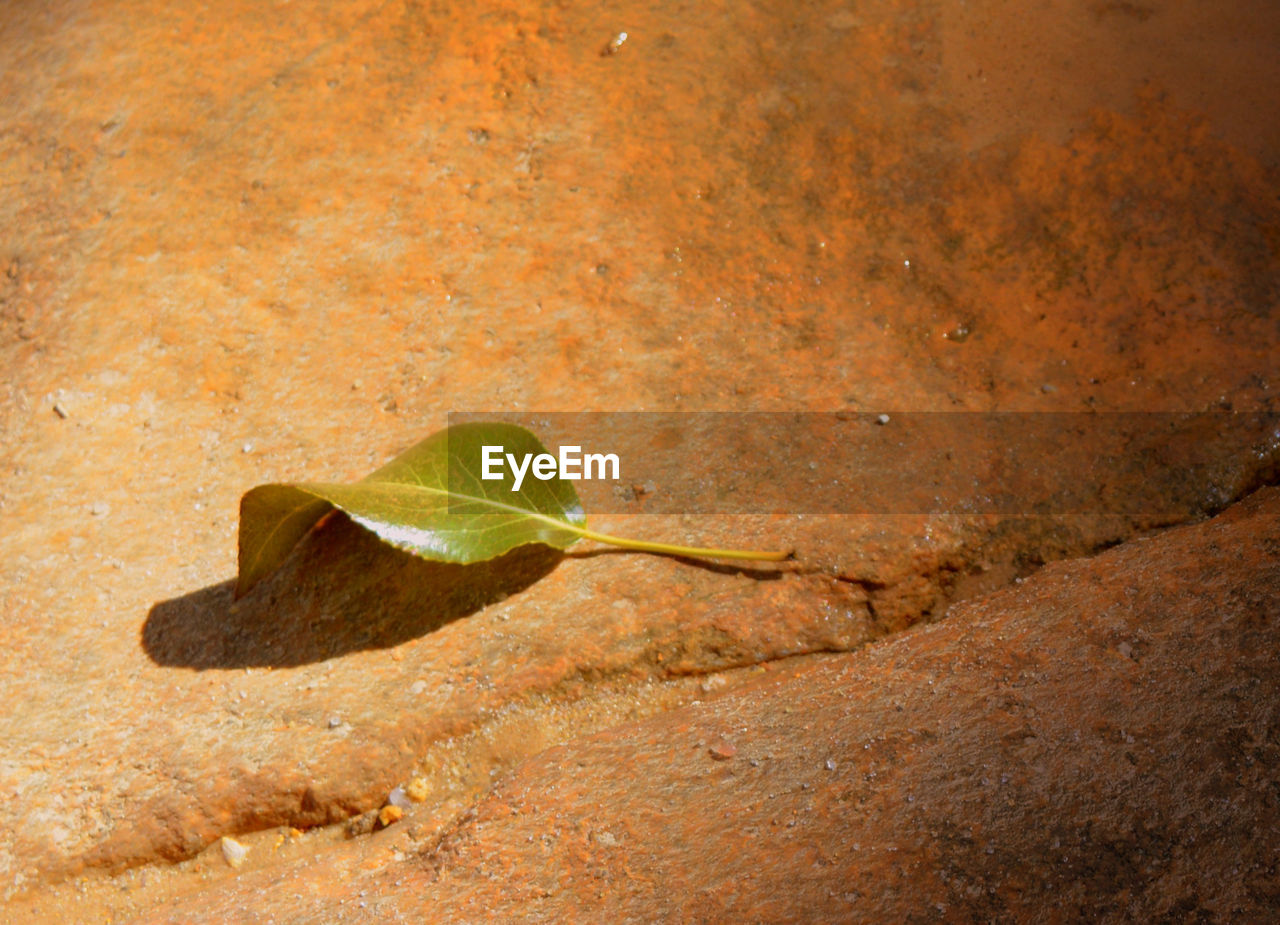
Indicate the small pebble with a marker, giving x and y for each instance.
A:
(335, 722)
(390, 814)
(362, 824)
(398, 797)
(233, 852)
(417, 687)
(723, 750)
(60, 411)
(615, 44)
(882, 419)
(829, 764)
(247, 448)
(418, 789)
(713, 683)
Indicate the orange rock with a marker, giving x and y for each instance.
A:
(213, 227)
(992, 765)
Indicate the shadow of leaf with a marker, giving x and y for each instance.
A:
(341, 591)
(771, 572)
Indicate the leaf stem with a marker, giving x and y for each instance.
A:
(647, 546)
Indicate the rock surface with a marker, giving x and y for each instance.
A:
(240, 246)
(1099, 741)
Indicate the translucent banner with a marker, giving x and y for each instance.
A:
(896, 463)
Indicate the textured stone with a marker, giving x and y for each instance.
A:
(1100, 740)
(240, 246)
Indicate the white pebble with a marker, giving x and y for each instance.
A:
(233, 851)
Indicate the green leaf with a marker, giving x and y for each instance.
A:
(432, 502)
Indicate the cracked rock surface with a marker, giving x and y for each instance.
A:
(242, 245)
(1099, 740)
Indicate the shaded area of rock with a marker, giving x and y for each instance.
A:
(344, 591)
(1104, 739)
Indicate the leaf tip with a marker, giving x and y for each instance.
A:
(246, 581)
